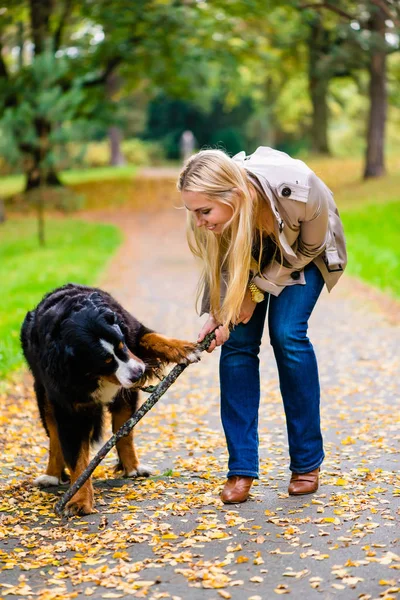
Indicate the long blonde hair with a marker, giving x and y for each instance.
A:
(226, 257)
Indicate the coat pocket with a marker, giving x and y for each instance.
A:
(276, 277)
(293, 191)
(334, 255)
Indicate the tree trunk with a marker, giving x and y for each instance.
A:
(2, 211)
(34, 170)
(116, 156)
(375, 160)
(318, 85)
(113, 84)
(319, 126)
(33, 177)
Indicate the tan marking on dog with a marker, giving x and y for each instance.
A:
(125, 446)
(169, 349)
(56, 463)
(82, 502)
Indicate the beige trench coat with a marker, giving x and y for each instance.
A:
(307, 222)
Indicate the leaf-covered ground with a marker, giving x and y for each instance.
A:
(170, 536)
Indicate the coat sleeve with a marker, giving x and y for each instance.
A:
(313, 224)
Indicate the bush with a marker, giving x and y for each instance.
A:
(229, 139)
(97, 154)
(64, 199)
(138, 152)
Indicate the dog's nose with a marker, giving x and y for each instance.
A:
(136, 372)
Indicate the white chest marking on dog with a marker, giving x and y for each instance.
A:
(131, 369)
(105, 392)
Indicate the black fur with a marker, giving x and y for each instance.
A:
(61, 343)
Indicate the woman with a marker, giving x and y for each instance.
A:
(268, 234)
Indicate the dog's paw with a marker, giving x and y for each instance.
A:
(140, 471)
(46, 481)
(78, 508)
(65, 479)
(118, 467)
(190, 353)
(194, 356)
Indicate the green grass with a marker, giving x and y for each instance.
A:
(76, 251)
(373, 242)
(14, 184)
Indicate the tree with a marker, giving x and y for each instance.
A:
(145, 40)
(376, 18)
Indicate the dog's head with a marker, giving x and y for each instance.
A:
(96, 347)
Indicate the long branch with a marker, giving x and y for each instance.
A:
(160, 389)
(61, 26)
(3, 68)
(385, 8)
(328, 6)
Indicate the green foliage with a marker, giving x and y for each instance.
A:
(229, 139)
(76, 251)
(372, 234)
(44, 116)
(135, 151)
(221, 126)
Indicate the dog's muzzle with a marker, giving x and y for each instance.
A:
(130, 372)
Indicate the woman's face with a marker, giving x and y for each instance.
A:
(207, 213)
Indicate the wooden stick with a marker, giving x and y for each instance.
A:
(160, 389)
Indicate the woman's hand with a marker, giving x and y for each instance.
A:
(221, 333)
(247, 309)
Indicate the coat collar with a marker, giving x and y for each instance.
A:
(269, 194)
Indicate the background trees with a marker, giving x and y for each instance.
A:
(237, 74)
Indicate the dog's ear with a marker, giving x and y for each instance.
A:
(110, 317)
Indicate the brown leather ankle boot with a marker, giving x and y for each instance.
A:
(303, 483)
(236, 489)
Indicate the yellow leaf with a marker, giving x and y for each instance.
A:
(224, 594)
(282, 589)
(140, 584)
(340, 481)
(169, 536)
(334, 520)
(257, 579)
(347, 441)
(242, 559)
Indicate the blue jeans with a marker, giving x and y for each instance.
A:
(298, 376)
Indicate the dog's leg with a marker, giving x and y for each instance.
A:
(55, 472)
(75, 431)
(122, 409)
(82, 502)
(170, 349)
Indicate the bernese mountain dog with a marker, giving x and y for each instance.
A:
(88, 354)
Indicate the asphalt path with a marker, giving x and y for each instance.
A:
(170, 536)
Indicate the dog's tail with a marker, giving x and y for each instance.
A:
(26, 331)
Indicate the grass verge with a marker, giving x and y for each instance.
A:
(76, 251)
(372, 234)
(14, 184)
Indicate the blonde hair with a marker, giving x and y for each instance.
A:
(226, 257)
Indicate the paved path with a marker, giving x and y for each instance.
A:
(170, 536)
